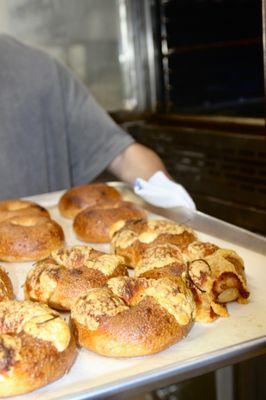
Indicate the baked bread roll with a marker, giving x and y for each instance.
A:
(78, 198)
(36, 347)
(28, 238)
(6, 288)
(133, 317)
(93, 223)
(131, 238)
(217, 276)
(16, 208)
(68, 273)
(160, 261)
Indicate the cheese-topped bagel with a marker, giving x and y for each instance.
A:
(159, 261)
(133, 316)
(36, 347)
(217, 276)
(68, 273)
(131, 238)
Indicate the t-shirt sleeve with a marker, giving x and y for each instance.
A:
(94, 139)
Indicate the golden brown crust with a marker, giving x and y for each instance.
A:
(16, 208)
(6, 288)
(33, 351)
(133, 238)
(198, 249)
(78, 198)
(133, 317)
(39, 363)
(217, 277)
(158, 261)
(93, 224)
(68, 273)
(29, 238)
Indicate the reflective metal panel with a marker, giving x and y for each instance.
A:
(104, 41)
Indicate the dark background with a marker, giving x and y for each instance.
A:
(209, 128)
(215, 55)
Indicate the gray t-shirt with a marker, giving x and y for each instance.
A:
(52, 132)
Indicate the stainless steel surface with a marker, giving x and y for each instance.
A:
(174, 373)
(108, 43)
(206, 224)
(214, 227)
(224, 383)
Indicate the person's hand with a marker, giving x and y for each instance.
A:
(160, 191)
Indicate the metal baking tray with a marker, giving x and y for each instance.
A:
(206, 348)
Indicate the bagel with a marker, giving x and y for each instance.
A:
(36, 347)
(69, 273)
(28, 238)
(17, 207)
(6, 288)
(198, 249)
(78, 198)
(133, 317)
(93, 223)
(131, 238)
(216, 276)
(159, 261)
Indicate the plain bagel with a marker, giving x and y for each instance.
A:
(77, 198)
(28, 238)
(93, 223)
(16, 208)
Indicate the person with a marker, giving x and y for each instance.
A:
(53, 134)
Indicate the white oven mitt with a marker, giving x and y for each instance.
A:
(162, 192)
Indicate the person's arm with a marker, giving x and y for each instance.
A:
(136, 161)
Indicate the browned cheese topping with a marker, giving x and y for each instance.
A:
(201, 275)
(35, 319)
(227, 262)
(106, 263)
(72, 257)
(42, 280)
(88, 310)
(206, 272)
(207, 263)
(125, 237)
(116, 227)
(77, 256)
(158, 227)
(223, 261)
(127, 288)
(174, 297)
(198, 249)
(158, 257)
(171, 295)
